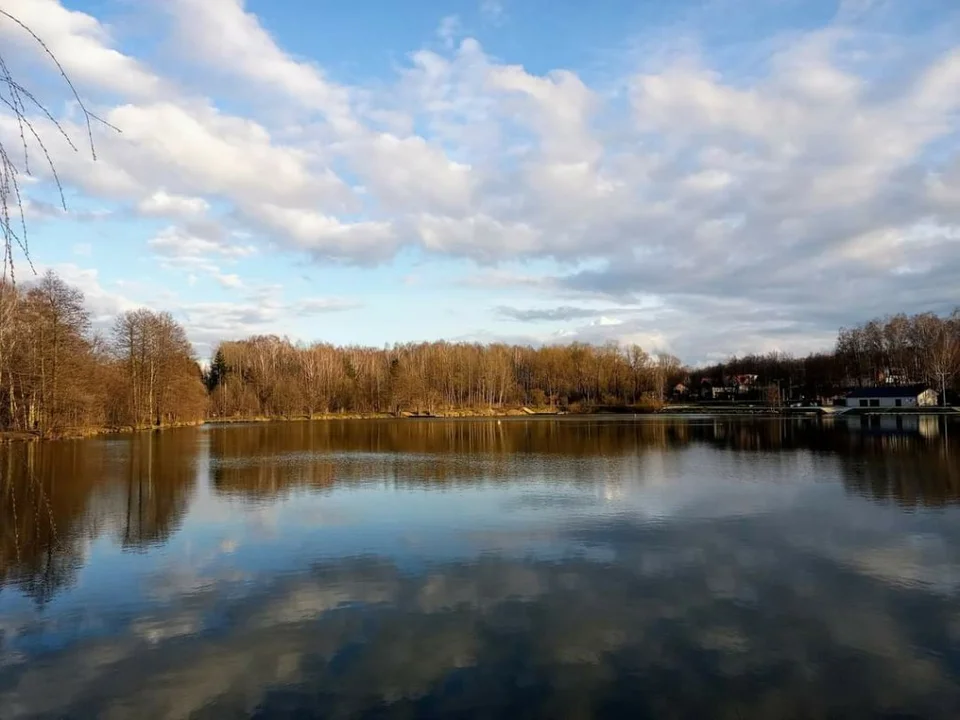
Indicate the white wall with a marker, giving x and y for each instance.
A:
(928, 398)
(887, 402)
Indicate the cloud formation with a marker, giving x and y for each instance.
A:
(756, 209)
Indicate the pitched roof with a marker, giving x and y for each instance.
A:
(888, 391)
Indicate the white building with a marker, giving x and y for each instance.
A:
(889, 396)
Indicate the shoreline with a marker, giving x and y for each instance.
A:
(11, 436)
(16, 436)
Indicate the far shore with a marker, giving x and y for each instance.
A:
(513, 412)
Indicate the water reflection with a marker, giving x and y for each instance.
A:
(903, 458)
(57, 497)
(669, 568)
(263, 460)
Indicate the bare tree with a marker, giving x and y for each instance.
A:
(163, 383)
(59, 324)
(942, 353)
(664, 370)
(30, 114)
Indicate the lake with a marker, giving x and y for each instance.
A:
(535, 568)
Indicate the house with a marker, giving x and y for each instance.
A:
(709, 391)
(893, 376)
(891, 396)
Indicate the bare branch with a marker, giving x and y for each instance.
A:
(17, 99)
(86, 114)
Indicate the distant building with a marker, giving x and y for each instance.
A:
(735, 387)
(891, 396)
(893, 376)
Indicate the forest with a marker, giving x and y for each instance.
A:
(59, 377)
(270, 376)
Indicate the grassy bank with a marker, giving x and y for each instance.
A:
(406, 414)
(78, 433)
(462, 412)
(84, 432)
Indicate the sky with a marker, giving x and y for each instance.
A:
(700, 177)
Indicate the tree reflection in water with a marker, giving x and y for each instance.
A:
(686, 567)
(56, 497)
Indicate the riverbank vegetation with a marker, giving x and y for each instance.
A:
(57, 377)
(271, 376)
(60, 377)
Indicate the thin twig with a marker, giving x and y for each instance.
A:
(8, 79)
(87, 115)
(8, 231)
(46, 154)
(16, 99)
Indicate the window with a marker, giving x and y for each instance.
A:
(875, 403)
(863, 403)
(899, 402)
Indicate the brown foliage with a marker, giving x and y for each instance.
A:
(270, 377)
(56, 379)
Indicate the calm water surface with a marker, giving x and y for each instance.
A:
(653, 568)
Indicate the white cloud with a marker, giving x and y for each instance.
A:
(81, 44)
(162, 203)
(327, 237)
(708, 180)
(320, 305)
(175, 242)
(230, 280)
(224, 35)
(557, 107)
(791, 197)
(408, 174)
(258, 313)
(179, 249)
(206, 151)
(35, 209)
(479, 237)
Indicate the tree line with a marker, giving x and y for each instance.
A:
(57, 376)
(271, 376)
(895, 350)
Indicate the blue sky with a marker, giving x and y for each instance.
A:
(703, 177)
